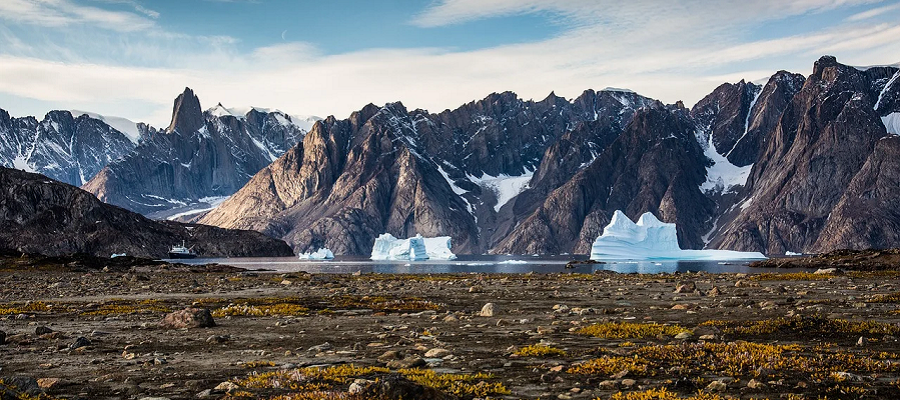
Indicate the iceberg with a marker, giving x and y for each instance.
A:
(652, 239)
(438, 248)
(321, 254)
(417, 248)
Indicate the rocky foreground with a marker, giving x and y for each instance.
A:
(89, 334)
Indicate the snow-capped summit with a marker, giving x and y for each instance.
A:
(66, 147)
(124, 125)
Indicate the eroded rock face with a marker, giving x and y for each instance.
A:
(656, 165)
(823, 140)
(39, 215)
(409, 172)
(814, 147)
(200, 155)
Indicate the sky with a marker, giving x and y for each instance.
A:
(131, 58)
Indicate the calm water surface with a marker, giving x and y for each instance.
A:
(477, 264)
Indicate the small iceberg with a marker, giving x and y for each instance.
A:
(417, 248)
(116, 255)
(321, 254)
(652, 239)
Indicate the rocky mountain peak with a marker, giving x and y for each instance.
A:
(823, 63)
(187, 116)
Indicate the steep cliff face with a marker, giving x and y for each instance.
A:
(40, 215)
(443, 174)
(62, 146)
(199, 156)
(655, 165)
(789, 166)
(822, 141)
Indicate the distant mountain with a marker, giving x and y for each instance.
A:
(202, 157)
(798, 164)
(40, 215)
(388, 169)
(69, 148)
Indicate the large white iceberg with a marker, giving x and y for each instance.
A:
(652, 239)
(438, 248)
(417, 248)
(321, 254)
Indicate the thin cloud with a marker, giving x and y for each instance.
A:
(873, 13)
(62, 13)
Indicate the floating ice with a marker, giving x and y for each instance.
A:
(651, 239)
(438, 248)
(321, 254)
(417, 248)
(387, 247)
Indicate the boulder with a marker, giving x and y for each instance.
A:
(188, 318)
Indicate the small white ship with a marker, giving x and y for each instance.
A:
(182, 251)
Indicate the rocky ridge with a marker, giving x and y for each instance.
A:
(42, 216)
(201, 156)
(754, 168)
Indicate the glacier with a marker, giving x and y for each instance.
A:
(321, 254)
(652, 239)
(417, 248)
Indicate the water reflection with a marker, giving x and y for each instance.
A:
(477, 264)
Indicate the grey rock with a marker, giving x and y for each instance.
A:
(188, 318)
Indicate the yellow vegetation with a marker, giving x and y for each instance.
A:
(540, 350)
(629, 330)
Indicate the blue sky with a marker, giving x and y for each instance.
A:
(130, 58)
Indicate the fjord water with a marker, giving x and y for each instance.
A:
(478, 264)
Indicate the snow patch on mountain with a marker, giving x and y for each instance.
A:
(506, 187)
(304, 122)
(722, 176)
(124, 125)
(21, 163)
(892, 123)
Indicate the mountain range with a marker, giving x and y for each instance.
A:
(798, 164)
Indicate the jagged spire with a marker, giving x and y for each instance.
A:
(187, 116)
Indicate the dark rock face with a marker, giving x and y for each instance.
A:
(506, 175)
(39, 215)
(200, 155)
(823, 140)
(656, 165)
(61, 146)
(405, 173)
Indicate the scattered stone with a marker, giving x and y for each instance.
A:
(686, 287)
(489, 310)
(42, 330)
(829, 271)
(755, 384)
(714, 292)
(437, 353)
(398, 387)
(716, 386)
(861, 341)
(188, 318)
(406, 363)
(627, 383)
(684, 335)
(2, 338)
(79, 343)
(227, 386)
(607, 385)
(48, 383)
(321, 347)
